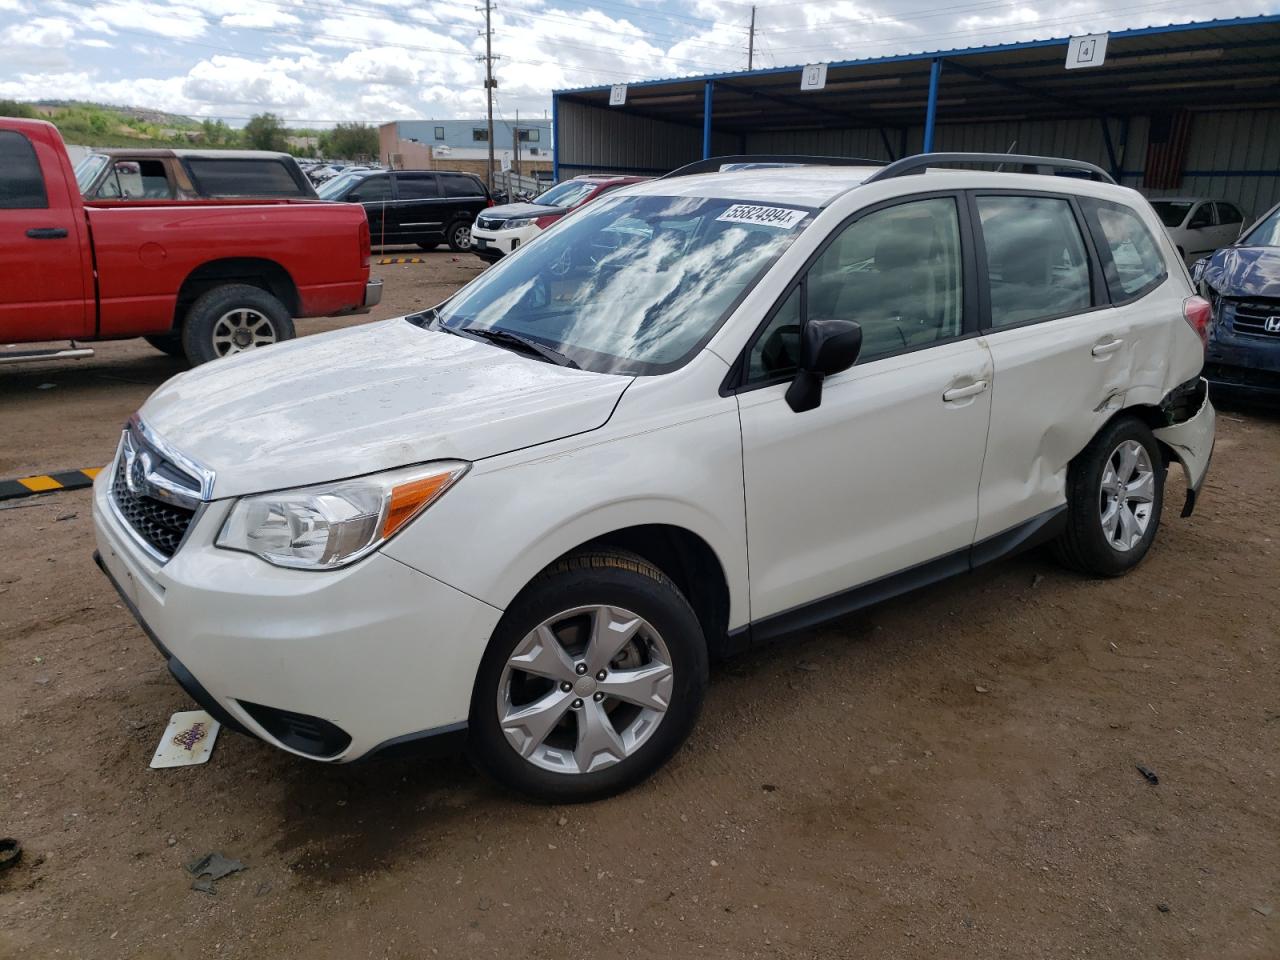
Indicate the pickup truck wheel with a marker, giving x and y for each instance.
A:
(594, 677)
(232, 319)
(459, 236)
(1115, 492)
(170, 343)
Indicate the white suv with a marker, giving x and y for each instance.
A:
(704, 412)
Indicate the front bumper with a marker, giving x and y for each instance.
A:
(377, 651)
(494, 244)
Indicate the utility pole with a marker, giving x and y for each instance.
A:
(489, 81)
(515, 137)
(751, 39)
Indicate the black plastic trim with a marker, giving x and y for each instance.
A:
(1038, 530)
(448, 740)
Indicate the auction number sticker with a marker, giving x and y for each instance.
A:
(784, 218)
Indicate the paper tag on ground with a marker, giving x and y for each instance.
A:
(188, 739)
(784, 218)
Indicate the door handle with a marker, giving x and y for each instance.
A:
(1108, 348)
(47, 233)
(963, 393)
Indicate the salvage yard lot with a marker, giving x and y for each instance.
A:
(949, 775)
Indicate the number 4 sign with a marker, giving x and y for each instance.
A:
(814, 77)
(1088, 51)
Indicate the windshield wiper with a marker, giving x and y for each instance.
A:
(527, 344)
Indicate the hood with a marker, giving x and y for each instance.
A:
(510, 211)
(369, 398)
(1245, 271)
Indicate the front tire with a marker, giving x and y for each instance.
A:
(459, 236)
(1115, 494)
(232, 319)
(593, 679)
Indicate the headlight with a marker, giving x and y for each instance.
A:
(518, 223)
(333, 524)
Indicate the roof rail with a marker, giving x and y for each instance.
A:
(1048, 166)
(713, 164)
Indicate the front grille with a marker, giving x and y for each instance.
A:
(488, 223)
(155, 496)
(162, 525)
(1252, 317)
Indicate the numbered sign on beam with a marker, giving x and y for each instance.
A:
(814, 77)
(1088, 51)
(617, 94)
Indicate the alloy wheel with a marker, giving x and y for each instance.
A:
(585, 689)
(242, 329)
(1127, 495)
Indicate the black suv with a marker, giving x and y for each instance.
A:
(425, 207)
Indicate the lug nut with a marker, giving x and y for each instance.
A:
(601, 675)
(577, 704)
(598, 697)
(566, 686)
(581, 669)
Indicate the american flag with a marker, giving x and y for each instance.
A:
(1167, 150)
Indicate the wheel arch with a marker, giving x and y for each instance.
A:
(258, 272)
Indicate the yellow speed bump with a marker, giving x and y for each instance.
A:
(43, 482)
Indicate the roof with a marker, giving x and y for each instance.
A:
(807, 186)
(209, 154)
(1219, 63)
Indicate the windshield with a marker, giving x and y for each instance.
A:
(1171, 212)
(631, 284)
(1266, 233)
(334, 188)
(88, 168)
(566, 194)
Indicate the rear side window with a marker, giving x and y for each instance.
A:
(416, 186)
(459, 185)
(219, 177)
(1229, 215)
(21, 185)
(1037, 265)
(1131, 258)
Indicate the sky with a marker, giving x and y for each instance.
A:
(316, 62)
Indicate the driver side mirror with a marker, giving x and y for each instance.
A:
(826, 347)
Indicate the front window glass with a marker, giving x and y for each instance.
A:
(333, 189)
(566, 194)
(1036, 260)
(631, 284)
(1171, 212)
(88, 168)
(1266, 233)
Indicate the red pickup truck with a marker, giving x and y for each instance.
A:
(200, 278)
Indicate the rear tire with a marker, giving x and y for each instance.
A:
(1115, 494)
(540, 726)
(170, 343)
(232, 319)
(459, 236)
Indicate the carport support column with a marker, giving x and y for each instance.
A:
(555, 139)
(931, 112)
(708, 95)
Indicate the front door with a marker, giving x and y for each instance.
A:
(45, 277)
(374, 194)
(883, 474)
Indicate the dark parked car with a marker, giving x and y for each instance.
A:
(426, 207)
(1242, 282)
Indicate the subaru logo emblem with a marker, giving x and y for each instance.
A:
(1272, 324)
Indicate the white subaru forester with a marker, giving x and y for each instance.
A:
(706, 411)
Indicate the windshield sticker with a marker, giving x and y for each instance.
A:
(783, 218)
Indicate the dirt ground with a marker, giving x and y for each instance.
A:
(949, 775)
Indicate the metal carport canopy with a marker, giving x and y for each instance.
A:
(1216, 64)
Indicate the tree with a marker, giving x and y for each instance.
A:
(264, 131)
(349, 141)
(12, 108)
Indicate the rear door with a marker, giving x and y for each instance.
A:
(417, 215)
(44, 273)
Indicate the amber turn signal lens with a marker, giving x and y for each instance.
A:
(409, 498)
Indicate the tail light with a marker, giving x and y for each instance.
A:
(1199, 314)
(544, 222)
(489, 202)
(366, 247)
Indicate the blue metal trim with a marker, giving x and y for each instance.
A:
(555, 138)
(1171, 28)
(931, 112)
(708, 96)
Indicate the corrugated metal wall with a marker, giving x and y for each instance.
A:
(593, 140)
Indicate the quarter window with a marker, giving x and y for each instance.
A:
(21, 185)
(1037, 266)
(1131, 258)
(459, 185)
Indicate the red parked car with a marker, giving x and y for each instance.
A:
(500, 230)
(199, 278)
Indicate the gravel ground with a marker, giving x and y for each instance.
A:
(949, 775)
